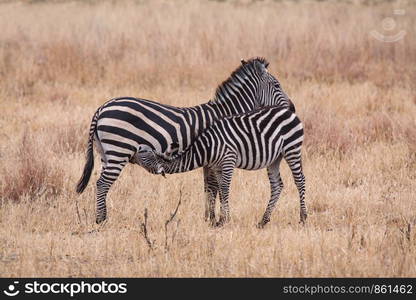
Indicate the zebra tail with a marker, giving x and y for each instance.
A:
(89, 163)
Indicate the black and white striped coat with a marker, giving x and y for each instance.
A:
(251, 141)
(120, 126)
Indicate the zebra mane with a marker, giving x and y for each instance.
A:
(257, 65)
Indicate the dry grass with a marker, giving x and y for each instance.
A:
(60, 60)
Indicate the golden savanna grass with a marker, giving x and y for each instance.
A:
(60, 60)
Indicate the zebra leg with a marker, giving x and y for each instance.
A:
(109, 174)
(224, 179)
(210, 189)
(276, 185)
(206, 192)
(295, 163)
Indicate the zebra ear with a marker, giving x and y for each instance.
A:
(174, 147)
(243, 62)
(144, 149)
(260, 67)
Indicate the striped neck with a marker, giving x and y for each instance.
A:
(202, 116)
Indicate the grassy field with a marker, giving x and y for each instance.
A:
(355, 94)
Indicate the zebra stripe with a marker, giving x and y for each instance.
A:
(251, 141)
(122, 125)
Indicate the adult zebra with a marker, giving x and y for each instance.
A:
(121, 125)
(250, 141)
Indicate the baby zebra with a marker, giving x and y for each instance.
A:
(250, 141)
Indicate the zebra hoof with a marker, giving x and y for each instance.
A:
(263, 222)
(219, 224)
(212, 222)
(99, 220)
(261, 225)
(222, 221)
(303, 217)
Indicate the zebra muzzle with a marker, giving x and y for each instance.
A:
(161, 171)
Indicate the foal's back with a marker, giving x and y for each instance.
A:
(257, 138)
